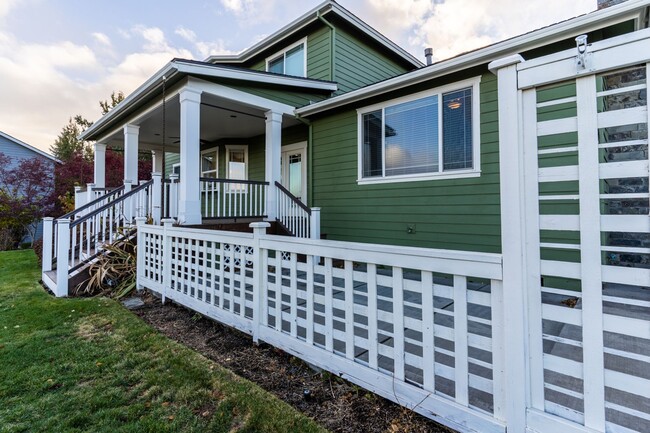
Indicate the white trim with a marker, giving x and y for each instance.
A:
(283, 54)
(28, 147)
(629, 10)
(178, 164)
(311, 17)
(216, 170)
(475, 171)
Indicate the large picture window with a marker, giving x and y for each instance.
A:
(290, 61)
(427, 135)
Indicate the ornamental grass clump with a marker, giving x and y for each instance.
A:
(113, 274)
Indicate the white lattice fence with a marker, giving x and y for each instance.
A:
(414, 325)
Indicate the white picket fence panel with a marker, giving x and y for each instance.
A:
(414, 325)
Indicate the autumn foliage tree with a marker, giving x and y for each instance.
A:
(26, 195)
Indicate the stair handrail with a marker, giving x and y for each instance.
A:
(293, 198)
(112, 203)
(72, 214)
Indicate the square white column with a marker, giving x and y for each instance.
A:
(157, 161)
(100, 165)
(131, 133)
(189, 211)
(273, 169)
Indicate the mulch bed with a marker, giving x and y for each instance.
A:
(334, 403)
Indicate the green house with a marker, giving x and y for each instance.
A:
(469, 238)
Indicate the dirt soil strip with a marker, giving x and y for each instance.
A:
(334, 403)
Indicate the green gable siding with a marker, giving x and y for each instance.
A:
(293, 98)
(319, 50)
(461, 214)
(357, 64)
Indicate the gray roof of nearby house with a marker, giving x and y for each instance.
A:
(631, 9)
(28, 147)
(313, 15)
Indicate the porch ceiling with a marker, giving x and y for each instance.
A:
(220, 119)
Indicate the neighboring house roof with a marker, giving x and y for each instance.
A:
(177, 69)
(630, 10)
(27, 146)
(292, 28)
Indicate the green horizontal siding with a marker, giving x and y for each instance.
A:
(357, 64)
(278, 94)
(462, 214)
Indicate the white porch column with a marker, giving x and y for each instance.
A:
(189, 211)
(100, 165)
(131, 133)
(511, 359)
(273, 170)
(157, 161)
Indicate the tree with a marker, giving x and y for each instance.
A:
(26, 194)
(67, 144)
(116, 98)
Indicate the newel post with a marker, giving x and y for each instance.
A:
(48, 240)
(128, 203)
(156, 197)
(173, 196)
(140, 252)
(90, 194)
(79, 197)
(167, 257)
(314, 223)
(62, 257)
(510, 360)
(259, 276)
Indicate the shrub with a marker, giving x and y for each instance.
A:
(38, 250)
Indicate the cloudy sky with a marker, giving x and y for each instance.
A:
(58, 58)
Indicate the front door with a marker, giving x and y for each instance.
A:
(294, 169)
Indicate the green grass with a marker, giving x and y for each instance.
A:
(69, 365)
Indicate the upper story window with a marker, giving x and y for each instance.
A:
(427, 135)
(290, 61)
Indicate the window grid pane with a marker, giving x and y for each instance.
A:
(294, 63)
(372, 151)
(457, 148)
(411, 137)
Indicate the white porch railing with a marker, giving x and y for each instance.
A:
(229, 198)
(77, 237)
(300, 220)
(420, 327)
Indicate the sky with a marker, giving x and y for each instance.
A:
(59, 58)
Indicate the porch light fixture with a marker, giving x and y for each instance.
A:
(581, 45)
(454, 104)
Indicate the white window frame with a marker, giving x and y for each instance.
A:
(212, 149)
(475, 171)
(178, 164)
(282, 53)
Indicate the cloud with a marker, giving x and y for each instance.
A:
(6, 6)
(455, 26)
(102, 38)
(203, 48)
(252, 12)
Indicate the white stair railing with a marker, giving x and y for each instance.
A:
(296, 217)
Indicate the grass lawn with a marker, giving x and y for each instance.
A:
(71, 365)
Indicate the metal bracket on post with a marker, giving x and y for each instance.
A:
(259, 288)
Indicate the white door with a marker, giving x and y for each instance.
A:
(294, 169)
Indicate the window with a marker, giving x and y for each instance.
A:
(237, 164)
(428, 135)
(290, 61)
(210, 163)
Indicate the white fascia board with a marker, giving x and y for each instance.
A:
(148, 86)
(309, 18)
(28, 146)
(254, 76)
(630, 10)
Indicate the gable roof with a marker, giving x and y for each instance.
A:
(28, 147)
(314, 15)
(629, 10)
(177, 69)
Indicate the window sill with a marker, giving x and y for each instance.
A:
(460, 174)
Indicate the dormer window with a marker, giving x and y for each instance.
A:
(290, 61)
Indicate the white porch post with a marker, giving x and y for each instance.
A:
(100, 165)
(131, 133)
(513, 244)
(157, 161)
(272, 166)
(189, 211)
